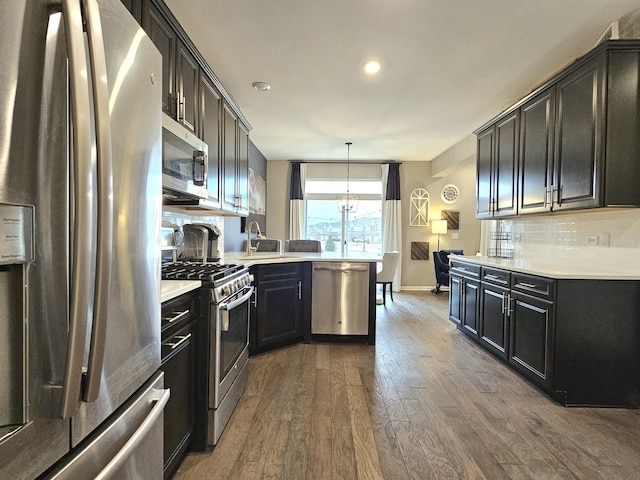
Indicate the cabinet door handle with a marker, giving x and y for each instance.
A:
(503, 306)
(558, 192)
(182, 339)
(300, 290)
(178, 97)
(255, 297)
(178, 316)
(510, 301)
(527, 285)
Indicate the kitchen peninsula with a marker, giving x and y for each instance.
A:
(310, 297)
(571, 326)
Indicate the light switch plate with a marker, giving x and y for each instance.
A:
(454, 236)
(605, 240)
(592, 240)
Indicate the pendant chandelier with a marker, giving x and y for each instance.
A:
(348, 202)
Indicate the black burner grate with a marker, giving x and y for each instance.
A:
(197, 271)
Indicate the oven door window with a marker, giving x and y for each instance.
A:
(234, 335)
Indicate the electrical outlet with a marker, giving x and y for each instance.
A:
(517, 237)
(592, 240)
(454, 236)
(605, 239)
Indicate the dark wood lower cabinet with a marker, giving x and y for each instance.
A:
(470, 303)
(455, 298)
(494, 327)
(578, 339)
(531, 347)
(280, 307)
(178, 362)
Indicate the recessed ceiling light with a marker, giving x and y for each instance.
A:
(372, 67)
(261, 86)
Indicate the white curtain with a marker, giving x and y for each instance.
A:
(392, 216)
(297, 209)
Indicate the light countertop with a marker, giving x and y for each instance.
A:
(264, 258)
(170, 289)
(561, 268)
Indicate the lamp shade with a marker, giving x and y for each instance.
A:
(438, 226)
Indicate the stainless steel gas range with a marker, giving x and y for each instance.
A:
(222, 342)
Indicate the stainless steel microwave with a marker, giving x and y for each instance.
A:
(184, 162)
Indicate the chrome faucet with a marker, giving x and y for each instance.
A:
(251, 249)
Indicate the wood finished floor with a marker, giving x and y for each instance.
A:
(424, 403)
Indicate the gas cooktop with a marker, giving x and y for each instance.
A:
(188, 270)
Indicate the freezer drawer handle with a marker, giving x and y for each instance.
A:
(138, 436)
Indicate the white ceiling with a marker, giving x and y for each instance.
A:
(448, 66)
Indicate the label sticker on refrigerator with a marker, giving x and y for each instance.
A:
(16, 234)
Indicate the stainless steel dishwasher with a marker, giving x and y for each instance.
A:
(340, 298)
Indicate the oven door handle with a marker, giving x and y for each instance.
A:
(225, 307)
(239, 301)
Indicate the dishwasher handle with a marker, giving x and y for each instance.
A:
(341, 268)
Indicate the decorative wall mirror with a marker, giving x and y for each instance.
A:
(419, 208)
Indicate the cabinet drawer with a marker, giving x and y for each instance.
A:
(496, 276)
(537, 286)
(464, 269)
(178, 312)
(279, 272)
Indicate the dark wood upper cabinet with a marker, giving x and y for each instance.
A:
(193, 96)
(229, 156)
(210, 129)
(536, 152)
(484, 177)
(505, 171)
(187, 80)
(579, 138)
(243, 170)
(165, 39)
(497, 168)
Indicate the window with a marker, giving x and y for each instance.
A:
(361, 230)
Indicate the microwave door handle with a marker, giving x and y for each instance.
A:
(82, 239)
(104, 164)
(199, 167)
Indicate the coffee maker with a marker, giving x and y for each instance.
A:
(201, 242)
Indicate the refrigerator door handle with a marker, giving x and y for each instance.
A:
(138, 436)
(98, 65)
(81, 268)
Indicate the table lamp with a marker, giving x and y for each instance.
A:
(439, 227)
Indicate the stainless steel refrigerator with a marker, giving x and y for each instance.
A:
(80, 217)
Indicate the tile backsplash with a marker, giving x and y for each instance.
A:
(590, 234)
(177, 219)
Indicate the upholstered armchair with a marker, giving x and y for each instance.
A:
(441, 264)
(263, 245)
(302, 246)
